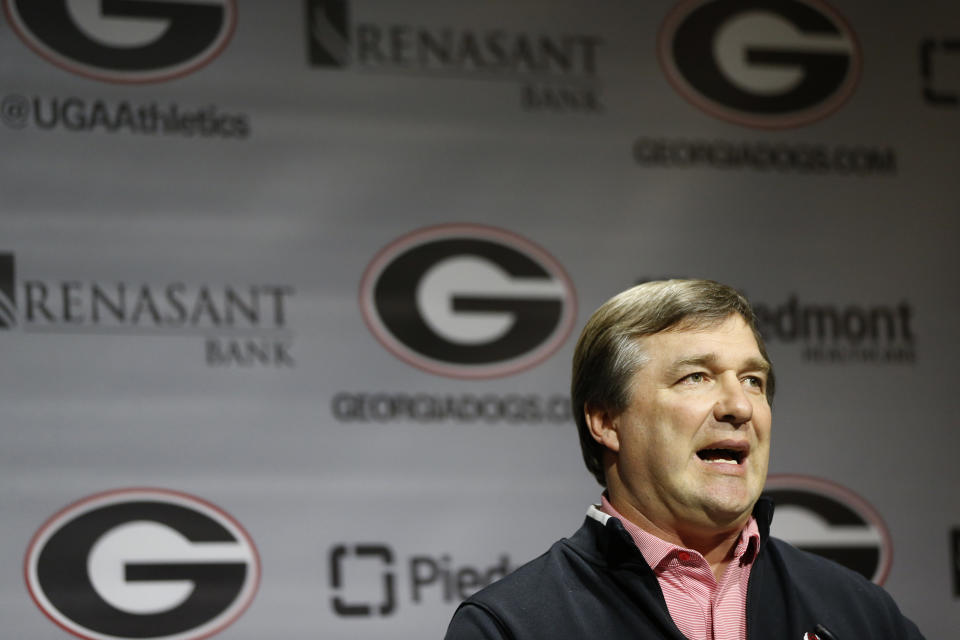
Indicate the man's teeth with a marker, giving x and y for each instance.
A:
(725, 456)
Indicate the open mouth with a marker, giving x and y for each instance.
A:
(725, 456)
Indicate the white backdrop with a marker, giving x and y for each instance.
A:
(187, 218)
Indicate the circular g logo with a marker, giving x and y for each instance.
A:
(125, 40)
(467, 301)
(760, 63)
(142, 563)
(831, 521)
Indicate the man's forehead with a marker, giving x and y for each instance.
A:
(730, 338)
(713, 360)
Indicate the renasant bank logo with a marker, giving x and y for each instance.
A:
(556, 72)
(8, 291)
(242, 325)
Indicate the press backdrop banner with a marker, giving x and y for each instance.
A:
(289, 290)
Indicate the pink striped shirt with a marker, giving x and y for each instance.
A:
(702, 608)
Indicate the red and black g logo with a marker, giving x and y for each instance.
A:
(142, 563)
(467, 301)
(761, 63)
(830, 520)
(125, 40)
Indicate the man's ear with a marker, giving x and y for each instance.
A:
(603, 426)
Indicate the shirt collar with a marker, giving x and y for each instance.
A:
(655, 550)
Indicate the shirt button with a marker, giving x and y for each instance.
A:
(683, 556)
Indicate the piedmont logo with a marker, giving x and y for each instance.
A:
(364, 579)
(830, 520)
(938, 58)
(764, 63)
(124, 41)
(467, 301)
(142, 563)
(831, 333)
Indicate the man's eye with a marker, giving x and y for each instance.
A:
(694, 378)
(754, 381)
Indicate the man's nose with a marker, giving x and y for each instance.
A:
(732, 405)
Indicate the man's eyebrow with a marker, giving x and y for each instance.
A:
(757, 364)
(710, 360)
(700, 360)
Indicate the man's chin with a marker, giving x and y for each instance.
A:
(727, 511)
(727, 518)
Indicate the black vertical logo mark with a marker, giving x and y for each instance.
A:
(388, 599)
(930, 51)
(8, 291)
(328, 32)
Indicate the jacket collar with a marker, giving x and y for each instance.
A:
(763, 512)
(606, 535)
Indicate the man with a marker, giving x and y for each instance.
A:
(671, 392)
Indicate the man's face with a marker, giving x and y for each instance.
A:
(695, 440)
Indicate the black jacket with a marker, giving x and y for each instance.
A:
(596, 584)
